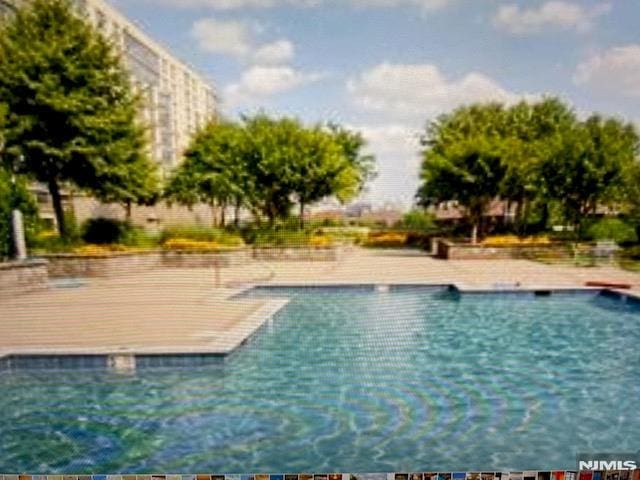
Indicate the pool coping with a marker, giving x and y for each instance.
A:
(234, 338)
(231, 341)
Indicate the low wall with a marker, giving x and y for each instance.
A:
(116, 264)
(22, 277)
(448, 250)
(298, 254)
(204, 260)
(70, 265)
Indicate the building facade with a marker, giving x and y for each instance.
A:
(178, 100)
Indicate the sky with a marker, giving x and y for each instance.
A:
(388, 67)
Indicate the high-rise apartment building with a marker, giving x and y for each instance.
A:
(178, 100)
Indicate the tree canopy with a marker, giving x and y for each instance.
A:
(267, 165)
(72, 112)
(529, 155)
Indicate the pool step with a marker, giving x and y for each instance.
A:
(122, 363)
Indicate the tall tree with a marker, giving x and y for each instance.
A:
(320, 169)
(73, 116)
(533, 135)
(462, 161)
(589, 170)
(213, 170)
(271, 145)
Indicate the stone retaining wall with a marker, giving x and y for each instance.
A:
(448, 250)
(204, 260)
(69, 265)
(22, 277)
(299, 254)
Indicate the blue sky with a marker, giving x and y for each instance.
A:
(386, 67)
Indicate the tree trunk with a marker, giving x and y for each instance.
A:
(474, 234)
(302, 205)
(127, 209)
(236, 214)
(56, 199)
(223, 215)
(214, 216)
(544, 216)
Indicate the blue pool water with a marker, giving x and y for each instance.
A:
(353, 380)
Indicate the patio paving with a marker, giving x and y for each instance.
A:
(184, 311)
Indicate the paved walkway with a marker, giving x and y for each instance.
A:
(184, 311)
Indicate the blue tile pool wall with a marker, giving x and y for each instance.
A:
(101, 362)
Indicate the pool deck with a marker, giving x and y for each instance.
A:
(182, 311)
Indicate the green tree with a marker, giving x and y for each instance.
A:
(72, 112)
(462, 161)
(323, 167)
(363, 166)
(533, 135)
(213, 171)
(590, 168)
(271, 146)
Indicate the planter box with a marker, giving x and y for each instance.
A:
(448, 250)
(22, 277)
(298, 254)
(116, 264)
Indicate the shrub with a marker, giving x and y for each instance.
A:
(418, 221)
(104, 231)
(280, 238)
(321, 241)
(185, 244)
(351, 235)
(387, 240)
(202, 234)
(514, 241)
(101, 250)
(612, 229)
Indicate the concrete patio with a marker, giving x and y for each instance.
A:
(171, 310)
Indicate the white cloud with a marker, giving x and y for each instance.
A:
(397, 150)
(222, 37)
(278, 52)
(240, 4)
(425, 4)
(260, 82)
(419, 91)
(236, 39)
(616, 70)
(552, 14)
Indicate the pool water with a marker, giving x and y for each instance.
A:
(350, 379)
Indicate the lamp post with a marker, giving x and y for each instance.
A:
(17, 220)
(17, 227)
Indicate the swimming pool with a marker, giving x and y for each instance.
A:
(352, 379)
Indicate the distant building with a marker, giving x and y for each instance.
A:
(499, 211)
(178, 100)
